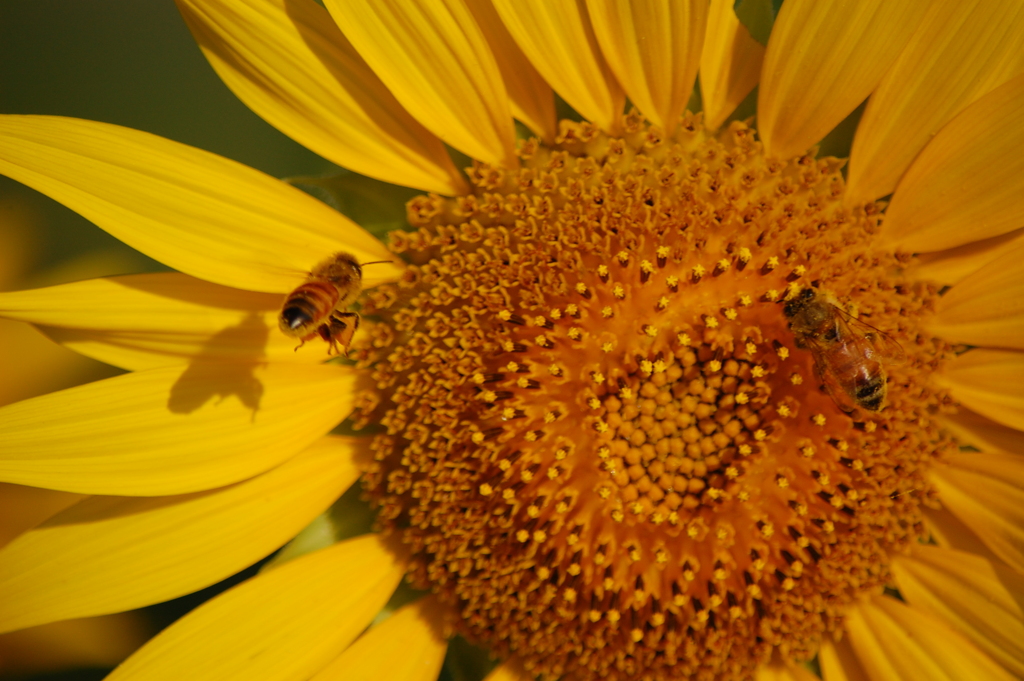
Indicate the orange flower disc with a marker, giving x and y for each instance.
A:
(603, 447)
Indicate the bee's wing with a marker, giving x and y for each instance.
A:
(827, 375)
(883, 347)
(832, 385)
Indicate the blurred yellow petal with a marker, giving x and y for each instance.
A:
(952, 265)
(894, 641)
(653, 48)
(949, 532)
(42, 366)
(986, 492)
(730, 64)
(172, 430)
(91, 642)
(150, 320)
(557, 38)
(531, 97)
(979, 432)
(289, 63)
(286, 623)
(838, 661)
(435, 60)
(969, 594)
(35, 364)
(509, 670)
(108, 554)
(408, 646)
(195, 211)
(987, 307)
(968, 183)
(823, 59)
(22, 508)
(990, 382)
(961, 51)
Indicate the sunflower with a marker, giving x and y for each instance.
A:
(643, 394)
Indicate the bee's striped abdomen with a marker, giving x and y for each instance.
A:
(871, 394)
(307, 308)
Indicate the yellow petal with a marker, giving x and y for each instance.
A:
(42, 366)
(968, 183)
(952, 265)
(292, 66)
(896, 642)
(983, 434)
(91, 642)
(557, 38)
(171, 430)
(108, 554)
(435, 60)
(823, 59)
(948, 532)
(961, 51)
(285, 623)
(22, 508)
(986, 492)
(839, 662)
(990, 382)
(509, 670)
(195, 211)
(730, 63)
(987, 307)
(150, 320)
(969, 594)
(408, 646)
(531, 97)
(653, 48)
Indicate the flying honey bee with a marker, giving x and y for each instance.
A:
(319, 307)
(848, 354)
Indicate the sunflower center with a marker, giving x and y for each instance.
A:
(605, 447)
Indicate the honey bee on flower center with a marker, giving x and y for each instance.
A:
(319, 307)
(849, 355)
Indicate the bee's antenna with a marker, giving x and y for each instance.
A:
(375, 262)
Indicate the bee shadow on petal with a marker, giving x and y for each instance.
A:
(225, 367)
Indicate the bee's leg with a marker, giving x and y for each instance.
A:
(325, 331)
(342, 326)
(302, 341)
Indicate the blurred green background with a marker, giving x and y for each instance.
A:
(129, 62)
(133, 63)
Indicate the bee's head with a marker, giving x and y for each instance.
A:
(798, 302)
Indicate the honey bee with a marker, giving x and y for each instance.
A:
(848, 354)
(319, 307)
